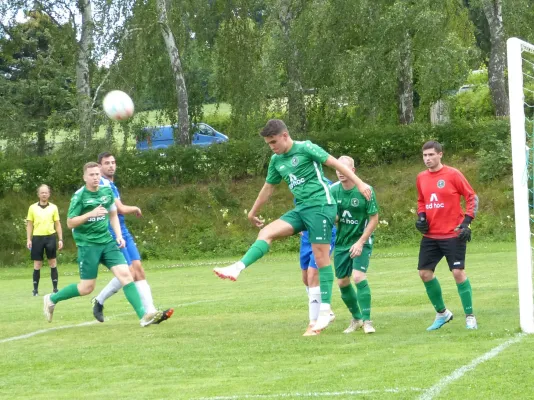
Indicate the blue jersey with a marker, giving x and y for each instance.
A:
(116, 195)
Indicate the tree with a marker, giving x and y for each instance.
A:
(176, 65)
(36, 84)
(491, 29)
(287, 12)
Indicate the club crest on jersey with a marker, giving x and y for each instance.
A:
(295, 161)
(354, 202)
(441, 184)
(104, 199)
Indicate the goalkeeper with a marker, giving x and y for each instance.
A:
(446, 230)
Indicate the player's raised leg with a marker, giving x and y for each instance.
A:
(275, 230)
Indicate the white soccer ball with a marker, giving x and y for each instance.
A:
(118, 105)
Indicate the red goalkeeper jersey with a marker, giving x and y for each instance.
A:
(439, 197)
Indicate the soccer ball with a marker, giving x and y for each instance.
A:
(118, 105)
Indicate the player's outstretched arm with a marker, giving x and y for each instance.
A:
(264, 195)
(124, 209)
(363, 187)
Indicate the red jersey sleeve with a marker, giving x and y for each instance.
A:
(420, 198)
(471, 198)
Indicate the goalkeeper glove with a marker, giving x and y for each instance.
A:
(422, 224)
(465, 229)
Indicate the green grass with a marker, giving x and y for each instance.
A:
(244, 338)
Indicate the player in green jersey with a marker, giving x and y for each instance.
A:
(357, 219)
(91, 209)
(300, 165)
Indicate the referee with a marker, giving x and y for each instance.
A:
(42, 225)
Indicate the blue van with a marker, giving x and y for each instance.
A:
(161, 137)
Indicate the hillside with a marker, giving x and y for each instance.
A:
(191, 221)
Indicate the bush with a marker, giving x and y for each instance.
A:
(239, 159)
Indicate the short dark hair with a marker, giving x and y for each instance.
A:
(273, 127)
(104, 154)
(432, 144)
(90, 164)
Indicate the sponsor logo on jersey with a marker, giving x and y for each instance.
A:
(294, 181)
(346, 218)
(295, 161)
(96, 219)
(441, 184)
(354, 202)
(434, 202)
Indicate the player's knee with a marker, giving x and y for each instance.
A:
(37, 264)
(52, 263)
(426, 275)
(359, 276)
(343, 282)
(459, 275)
(137, 271)
(86, 288)
(266, 235)
(123, 274)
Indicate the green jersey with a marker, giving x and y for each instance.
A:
(302, 169)
(353, 211)
(95, 230)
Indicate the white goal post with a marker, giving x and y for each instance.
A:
(522, 178)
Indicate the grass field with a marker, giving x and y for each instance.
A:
(242, 340)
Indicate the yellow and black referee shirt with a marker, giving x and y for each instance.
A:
(43, 218)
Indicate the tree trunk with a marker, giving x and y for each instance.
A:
(296, 106)
(41, 140)
(85, 46)
(182, 136)
(405, 82)
(497, 60)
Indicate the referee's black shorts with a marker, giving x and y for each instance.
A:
(42, 244)
(432, 251)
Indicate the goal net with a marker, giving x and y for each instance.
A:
(520, 56)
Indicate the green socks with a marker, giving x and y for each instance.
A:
(364, 299)
(433, 290)
(326, 279)
(131, 293)
(348, 295)
(258, 249)
(68, 292)
(466, 295)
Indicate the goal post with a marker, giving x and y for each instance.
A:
(522, 143)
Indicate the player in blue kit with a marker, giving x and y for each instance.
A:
(131, 253)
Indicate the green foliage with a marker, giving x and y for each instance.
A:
(37, 90)
(472, 105)
(495, 160)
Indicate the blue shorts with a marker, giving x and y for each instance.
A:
(130, 251)
(306, 254)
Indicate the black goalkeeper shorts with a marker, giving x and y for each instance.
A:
(432, 251)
